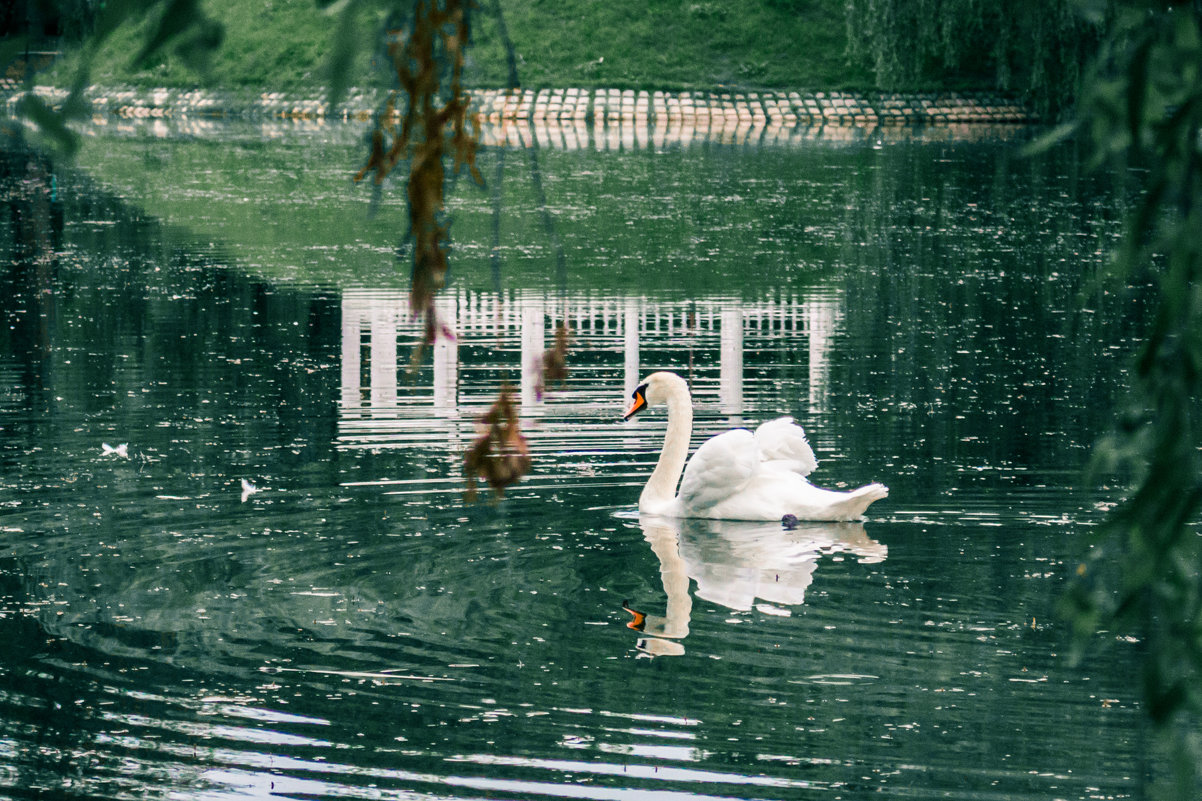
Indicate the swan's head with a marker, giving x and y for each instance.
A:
(657, 388)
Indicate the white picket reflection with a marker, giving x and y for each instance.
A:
(534, 335)
(382, 363)
(730, 382)
(615, 342)
(446, 359)
(821, 319)
(630, 346)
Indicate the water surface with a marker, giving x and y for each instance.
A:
(227, 308)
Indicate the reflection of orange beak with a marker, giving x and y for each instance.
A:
(637, 405)
(640, 620)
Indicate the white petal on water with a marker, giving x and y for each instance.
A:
(120, 451)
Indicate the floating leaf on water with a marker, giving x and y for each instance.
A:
(120, 451)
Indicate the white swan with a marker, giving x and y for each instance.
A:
(737, 475)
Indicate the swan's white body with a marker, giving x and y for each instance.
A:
(737, 475)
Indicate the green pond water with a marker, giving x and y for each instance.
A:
(235, 560)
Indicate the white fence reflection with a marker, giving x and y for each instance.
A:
(504, 337)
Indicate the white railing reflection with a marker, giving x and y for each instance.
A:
(446, 359)
(499, 334)
(639, 134)
(382, 363)
(730, 372)
(533, 335)
(630, 346)
(821, 319)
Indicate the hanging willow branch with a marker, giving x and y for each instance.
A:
(423, 121)
(1035, 49)
(1143, 105)
(420, 123)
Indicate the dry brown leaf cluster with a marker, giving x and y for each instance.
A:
(422, 122)
(554, 365)
(500, 454)
(418, 131)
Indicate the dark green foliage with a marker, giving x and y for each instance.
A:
(342, 55)
(1142, 106)
(177, 25)
(1033, 48)
(45, 20)
(183, 24)
(50, 123)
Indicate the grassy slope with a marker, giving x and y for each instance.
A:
(270, 44)
(669, 44)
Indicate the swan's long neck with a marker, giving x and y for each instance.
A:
(661, 487)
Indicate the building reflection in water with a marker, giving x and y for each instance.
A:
(498, 337)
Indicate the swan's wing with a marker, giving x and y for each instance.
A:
(719, 469)
(782, 444)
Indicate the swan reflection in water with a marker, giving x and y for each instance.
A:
(739, 565)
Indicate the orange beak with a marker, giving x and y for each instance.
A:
(640, 620)
(636, 405)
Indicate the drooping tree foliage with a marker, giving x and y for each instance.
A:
(422, 123)
(423, 120)
(1035, 49)
(44, 20)
(1142, 108)
(180, 26)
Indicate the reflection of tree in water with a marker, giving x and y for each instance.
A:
(88, 307)
(94, 301)
(31, 237)
(1006, 347)
(49, 713)
(738, 565)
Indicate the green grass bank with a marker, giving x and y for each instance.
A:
(283, 45)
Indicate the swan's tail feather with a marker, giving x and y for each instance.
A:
(858, 501)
